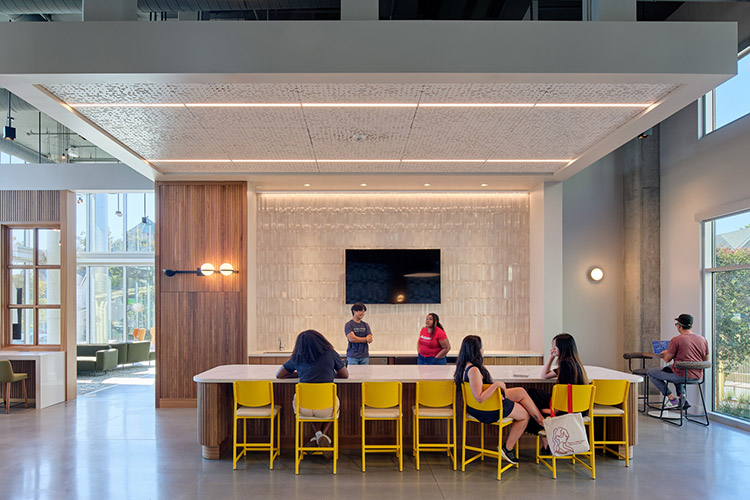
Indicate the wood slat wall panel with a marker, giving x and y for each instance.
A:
(202, 321)
(30, 206)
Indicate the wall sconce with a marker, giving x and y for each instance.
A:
(596, 274)
(206, 269)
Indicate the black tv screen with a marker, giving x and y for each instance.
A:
(393, 276)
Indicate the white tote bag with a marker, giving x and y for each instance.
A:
(566, 434)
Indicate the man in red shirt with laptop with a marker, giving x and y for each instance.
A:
(687, 346)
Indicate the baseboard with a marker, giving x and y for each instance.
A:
(731, 421)
(178, 403)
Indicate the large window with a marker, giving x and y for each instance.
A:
(32, 286)
(730, 100)
(115, 276)
(728, 305)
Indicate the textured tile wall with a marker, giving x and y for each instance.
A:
(484, 242)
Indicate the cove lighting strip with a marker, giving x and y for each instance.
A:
(362, 105)
(189, 160)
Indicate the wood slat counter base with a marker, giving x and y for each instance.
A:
(406, 358)
(215, 400)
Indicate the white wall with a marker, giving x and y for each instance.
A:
(484, 243)
(592, 235)
(697, 176)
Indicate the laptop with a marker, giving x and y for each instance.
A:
(660, 346)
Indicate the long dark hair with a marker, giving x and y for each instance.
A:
(471, 352)
(310, 345)
(435, 323)
(566, 344)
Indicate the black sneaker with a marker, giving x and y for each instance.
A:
(685, 404)
(508, 455)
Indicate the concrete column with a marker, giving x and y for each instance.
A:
(110, 10)
(613, 10)
(641, 244)
(359, 10)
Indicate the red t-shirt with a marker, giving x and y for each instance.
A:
(430, 346)
(688, 347)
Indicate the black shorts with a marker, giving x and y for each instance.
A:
(490, 417)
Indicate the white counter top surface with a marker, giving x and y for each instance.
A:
(31, 355)
(403, 373)
(373, 353)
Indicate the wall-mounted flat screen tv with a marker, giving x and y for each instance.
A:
(393, 276)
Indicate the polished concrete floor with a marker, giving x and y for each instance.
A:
(113, 444)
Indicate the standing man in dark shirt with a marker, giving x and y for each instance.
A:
(359, 336)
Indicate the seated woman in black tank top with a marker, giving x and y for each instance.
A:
(569, 370)
(470, 368)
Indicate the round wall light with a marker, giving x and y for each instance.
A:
(207, 269)
(596, 274)
(226, 269)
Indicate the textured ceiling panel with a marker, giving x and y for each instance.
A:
(279, 133)
(461, 133)
(560, 133)
(257, 133)
(381, 93)
(359, 133)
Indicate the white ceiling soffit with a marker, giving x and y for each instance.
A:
(659, 67)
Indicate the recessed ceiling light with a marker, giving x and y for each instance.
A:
(484, 185)
(306, 185)
(363, 185)
(427, 184)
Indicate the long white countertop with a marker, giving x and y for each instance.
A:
(402, 373)
(413, 353)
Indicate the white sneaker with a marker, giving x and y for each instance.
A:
(325, 442)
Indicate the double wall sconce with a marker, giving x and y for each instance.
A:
(206, 269)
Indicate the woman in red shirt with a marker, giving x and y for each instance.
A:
(433, 344)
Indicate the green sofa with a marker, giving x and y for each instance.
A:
(131, 352)
(95, 357)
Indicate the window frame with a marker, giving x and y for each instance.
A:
(6, 339)
(707, 106)
(708, 297)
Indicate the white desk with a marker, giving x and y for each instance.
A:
(49, 374)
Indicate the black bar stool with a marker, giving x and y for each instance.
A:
(689, 365)
(643, 356)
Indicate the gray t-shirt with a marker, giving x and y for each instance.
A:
(358, 350)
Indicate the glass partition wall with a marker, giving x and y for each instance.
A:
(727, 304)
(115, 275)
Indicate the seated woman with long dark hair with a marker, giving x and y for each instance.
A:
(516, 402)
(314, 360)
(569, 370)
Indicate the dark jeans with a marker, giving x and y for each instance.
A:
(423, 360)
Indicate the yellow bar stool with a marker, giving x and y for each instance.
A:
(435, 400)
(582, 400)
(611, 401)
(7, 377)
(382, 401)
(254, 401)
(320, 404)
(495, 402)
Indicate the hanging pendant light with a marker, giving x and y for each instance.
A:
(118, 212)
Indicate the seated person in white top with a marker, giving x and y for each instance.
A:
(314, 360)
(687, 346)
